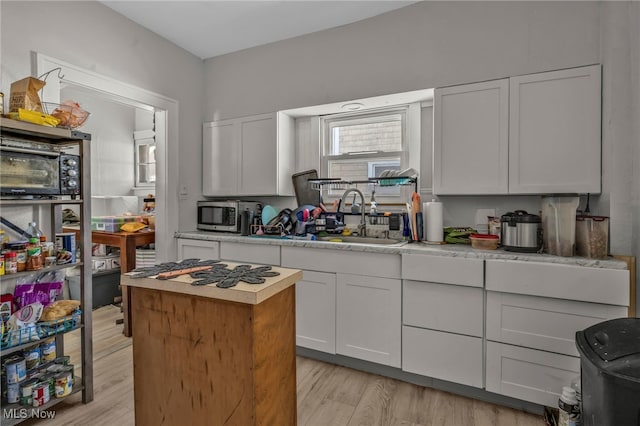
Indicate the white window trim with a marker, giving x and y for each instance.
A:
(411, 146)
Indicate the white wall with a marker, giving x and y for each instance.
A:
(94, 37)
(425, 45)
(111, 126)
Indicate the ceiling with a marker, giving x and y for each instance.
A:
(209, 28)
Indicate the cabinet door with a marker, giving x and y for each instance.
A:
(259, 159)
(528, 374)
(444, 356)
(554, 140)
(220, 158)
(198, 249)
(470, 146)
(316, 311)
(368, 319)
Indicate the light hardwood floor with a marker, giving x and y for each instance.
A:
(328, 395)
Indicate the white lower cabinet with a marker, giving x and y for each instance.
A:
(368, 318)
(446, 356)
(316, 311)
(534, 310)
(528, 374)
(198, 249)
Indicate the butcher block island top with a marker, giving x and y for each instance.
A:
(205, 355)
(241, 292)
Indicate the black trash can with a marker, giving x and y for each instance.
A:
(610, 373)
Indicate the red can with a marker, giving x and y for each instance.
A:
(41, 394)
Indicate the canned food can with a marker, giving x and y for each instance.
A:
(66, 244)
(64, 360)
(48, 350)
(26, 391)
(15, 369)
(32, 357)
(13, 393)
(64, 384)
(41, 394)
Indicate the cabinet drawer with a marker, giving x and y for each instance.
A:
(598, 285)
(442, 269)
(529, 374)
(198, 249)
(443, 307)
(348, 262)
(444, 356)
(253, 253)
(543, 323)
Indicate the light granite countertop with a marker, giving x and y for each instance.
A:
(448, 250)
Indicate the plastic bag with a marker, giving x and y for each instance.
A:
(44, 288)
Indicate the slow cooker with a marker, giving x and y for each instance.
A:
(520, 231)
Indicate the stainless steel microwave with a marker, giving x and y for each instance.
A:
(25, 171)
(222, 216)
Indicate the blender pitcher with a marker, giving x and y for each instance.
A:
(559, 224)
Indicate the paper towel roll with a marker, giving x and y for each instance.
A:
(434, 222)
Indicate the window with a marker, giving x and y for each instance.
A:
(358, 146)
(145, 162)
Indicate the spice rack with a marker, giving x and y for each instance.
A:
(14, 413)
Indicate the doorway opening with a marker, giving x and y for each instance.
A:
(120, 96)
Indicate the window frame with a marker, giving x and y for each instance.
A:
(388, 195)
(137, 163)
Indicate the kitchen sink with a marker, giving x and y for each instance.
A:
(360, 240)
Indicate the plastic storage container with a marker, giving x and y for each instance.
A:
(484, 241)
(112, 223)
(610, 372)
(592, 236)
(559, 224)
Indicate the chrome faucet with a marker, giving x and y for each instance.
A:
(362, 227)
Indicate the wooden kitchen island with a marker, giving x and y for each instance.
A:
(204, 355)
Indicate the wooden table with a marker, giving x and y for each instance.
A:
(127, 242)
(204, 355)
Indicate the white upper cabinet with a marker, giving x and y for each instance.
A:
(470, 144)
(248, 156)
(220, 158)
(531, 134)
(554, 133)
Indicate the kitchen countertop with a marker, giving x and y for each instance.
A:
(448, 250)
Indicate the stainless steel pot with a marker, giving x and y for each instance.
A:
(520, 231)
